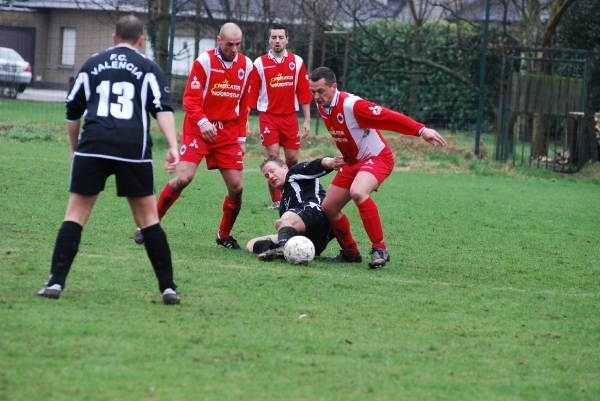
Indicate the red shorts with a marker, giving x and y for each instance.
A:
(281, 129)
(224, 152)
(381, 166)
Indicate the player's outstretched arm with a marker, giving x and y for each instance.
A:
(166, 123)
(433, 137)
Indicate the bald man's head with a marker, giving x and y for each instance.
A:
(230, 29)
(230, 40)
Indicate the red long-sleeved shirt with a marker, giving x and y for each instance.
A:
(355, 125)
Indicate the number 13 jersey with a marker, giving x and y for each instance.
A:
(115, 91)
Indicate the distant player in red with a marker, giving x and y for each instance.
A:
(366, 161)
(279, 86)
(214, 127)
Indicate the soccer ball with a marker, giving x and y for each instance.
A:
(299, 250)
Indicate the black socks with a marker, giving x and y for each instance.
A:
(159, 253)
(284, 234)
(65, 249)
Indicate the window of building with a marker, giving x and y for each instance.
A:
(183, 53)
(69, 37)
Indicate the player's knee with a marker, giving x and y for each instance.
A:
(279, 223)
(235, 189)
(358, 195)
(235, 195)
(181, 181)
(328, 210)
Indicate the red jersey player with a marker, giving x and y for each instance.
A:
(214, 127)
(279, 85)
(366, 161)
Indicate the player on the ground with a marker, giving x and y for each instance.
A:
(279, 85)
(354, 124)
(214, 127)
(300, 209)
(114, 92)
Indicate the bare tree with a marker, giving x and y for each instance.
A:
(158, 24)
(557, 9)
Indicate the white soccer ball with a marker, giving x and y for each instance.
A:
(299, 250)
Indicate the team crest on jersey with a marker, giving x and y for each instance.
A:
(262, 138)
(267, 130)
(195, 83)
(292, 66)
(241, 73)
(340, 118)
(182, 150)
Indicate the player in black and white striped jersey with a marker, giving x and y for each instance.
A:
(300, 208)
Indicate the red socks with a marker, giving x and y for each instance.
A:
(275, 194)
(231, 209)
(369, 214)
(166, 199)
(341, 230)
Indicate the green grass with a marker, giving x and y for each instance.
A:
(491, 293)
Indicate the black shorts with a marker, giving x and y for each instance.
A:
(318, 228)
(89, 174)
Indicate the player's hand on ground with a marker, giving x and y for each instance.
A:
(338, 162)
(305, 129)
(172, 158)
(432, 136)
(209, 132)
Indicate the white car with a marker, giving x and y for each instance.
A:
(15, 72)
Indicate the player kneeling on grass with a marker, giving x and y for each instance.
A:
(115, 139)
(300, 208)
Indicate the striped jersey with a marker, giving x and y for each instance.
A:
(216, 88)
(115, 91)
(302, 186)
(355, 125)
(279, 86)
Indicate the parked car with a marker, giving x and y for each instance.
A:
(15, 72)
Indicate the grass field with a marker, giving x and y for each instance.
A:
(492, 292)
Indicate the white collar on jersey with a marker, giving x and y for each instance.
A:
(124, 44)
(226, 64)
(334, 102)
(277, 59)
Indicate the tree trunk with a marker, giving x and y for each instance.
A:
(311, 43)
(197, 28)
(413, 111)
(539, 145)
(162, 39)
